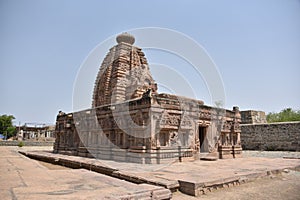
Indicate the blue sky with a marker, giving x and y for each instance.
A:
(255, 45)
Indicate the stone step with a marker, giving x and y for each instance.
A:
(209, 156)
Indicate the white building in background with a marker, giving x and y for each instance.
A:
(35, 131)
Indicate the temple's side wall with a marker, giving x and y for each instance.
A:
(274, 136)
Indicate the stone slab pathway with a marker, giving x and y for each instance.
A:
(25, 178)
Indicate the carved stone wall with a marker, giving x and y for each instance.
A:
(150, 125)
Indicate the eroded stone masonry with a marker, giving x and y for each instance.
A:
(257, 134)
(130, 121)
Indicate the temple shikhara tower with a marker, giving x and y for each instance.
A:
(130, 121)
(124, 74)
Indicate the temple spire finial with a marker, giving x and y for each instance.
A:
(126, 38)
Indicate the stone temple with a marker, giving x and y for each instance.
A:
(130, 121)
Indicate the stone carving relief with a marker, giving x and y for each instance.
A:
(227, 126)
(174, 140)
(205, 114)
(186, 122)
(237, 126)
(197, 145)
(191, 139)
(135, 59)
(169, 119)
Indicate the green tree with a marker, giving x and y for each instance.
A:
(6, 125)
(286, 115)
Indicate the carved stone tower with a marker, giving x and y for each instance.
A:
(124, 74)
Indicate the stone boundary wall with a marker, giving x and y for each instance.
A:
(282, 136)
(26, 143)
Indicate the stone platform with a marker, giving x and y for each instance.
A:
(190, 177)
(24, 178)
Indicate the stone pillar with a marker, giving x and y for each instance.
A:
(237, 148)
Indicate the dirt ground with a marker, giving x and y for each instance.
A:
(285, 186)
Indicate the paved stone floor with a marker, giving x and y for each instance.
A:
(24, 178)
(285, 186)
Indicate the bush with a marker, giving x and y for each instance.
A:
(285, 115)
(21, 144)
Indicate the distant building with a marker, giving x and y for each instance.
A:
(35, 131)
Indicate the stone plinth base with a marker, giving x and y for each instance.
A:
(134, 154)
(226, 152)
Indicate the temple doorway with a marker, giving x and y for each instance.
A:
(203, 139)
